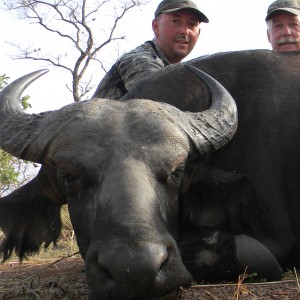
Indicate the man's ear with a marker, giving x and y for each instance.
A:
(155, 27)
(269, 37)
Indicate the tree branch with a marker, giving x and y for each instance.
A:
(71, 21)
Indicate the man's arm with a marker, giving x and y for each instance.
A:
(133, 66)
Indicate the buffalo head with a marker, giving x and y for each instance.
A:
(120, 166)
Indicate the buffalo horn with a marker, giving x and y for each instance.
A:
(18, 129)
(212, 128)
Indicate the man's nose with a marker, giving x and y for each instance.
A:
(286, 31)
(185, 30)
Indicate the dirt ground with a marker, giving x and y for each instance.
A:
(65, 279)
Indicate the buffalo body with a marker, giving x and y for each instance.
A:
(152, 202)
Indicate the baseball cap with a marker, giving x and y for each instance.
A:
(291, 6)
(167, 6)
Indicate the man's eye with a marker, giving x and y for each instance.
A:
(295, 25)
(193, 24)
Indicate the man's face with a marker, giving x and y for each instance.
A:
(176, 33)
(284, 32)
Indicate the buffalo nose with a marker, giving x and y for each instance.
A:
(122, 263)
(122, 271)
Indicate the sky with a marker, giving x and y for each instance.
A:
(233, 25)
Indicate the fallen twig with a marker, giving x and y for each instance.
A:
(241, 288)
(297, 279)
(239, 284)
(247, 283)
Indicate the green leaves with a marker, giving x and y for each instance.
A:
(25, 103)
(8, 174)
(3, 81)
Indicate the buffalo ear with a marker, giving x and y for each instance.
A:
(28, 219)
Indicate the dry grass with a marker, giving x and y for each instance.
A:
(44, 279)
(287, 289)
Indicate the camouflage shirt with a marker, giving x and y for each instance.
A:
(129, 69)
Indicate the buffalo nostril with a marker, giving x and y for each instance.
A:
(163, 264)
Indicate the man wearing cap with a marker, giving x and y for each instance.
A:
(176, 28)
(283, 25)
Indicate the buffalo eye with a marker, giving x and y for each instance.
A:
(66, 178)
(177, 176)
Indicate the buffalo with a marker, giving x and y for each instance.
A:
(159, 189)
